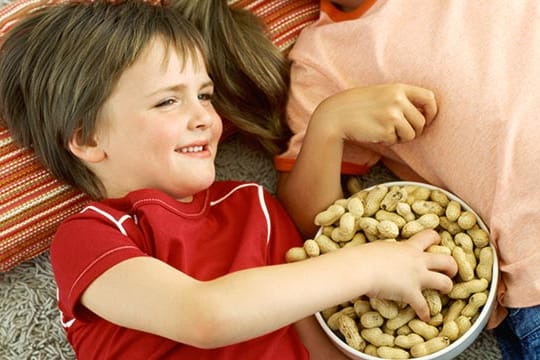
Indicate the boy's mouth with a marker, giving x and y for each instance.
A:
(191, 149)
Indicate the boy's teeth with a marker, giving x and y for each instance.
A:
(191, 149)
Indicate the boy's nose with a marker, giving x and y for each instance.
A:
(203, 116)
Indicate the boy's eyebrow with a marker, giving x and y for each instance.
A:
(179, 87)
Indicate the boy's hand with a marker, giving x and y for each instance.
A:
(401, 270)
(385, 114)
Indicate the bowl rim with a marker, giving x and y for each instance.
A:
(464, 341)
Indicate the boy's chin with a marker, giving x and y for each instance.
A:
(203, 183)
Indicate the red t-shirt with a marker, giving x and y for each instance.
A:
(229, 227)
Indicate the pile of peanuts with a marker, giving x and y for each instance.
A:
(384, 328)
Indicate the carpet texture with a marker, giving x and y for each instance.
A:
(30, 322)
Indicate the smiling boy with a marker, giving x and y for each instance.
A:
(167, 263)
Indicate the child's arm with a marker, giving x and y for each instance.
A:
(146, 294)
(316, 341)
(383, 114)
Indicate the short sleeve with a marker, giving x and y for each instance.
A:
(84, 247)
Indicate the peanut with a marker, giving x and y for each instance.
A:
(295, 254)
(404, 316)
(433, 300)
(326, 313)
(404, 210)
(370, 350)
(411, 228)
(439, 249)
(436, 320)
(333, 319)
(391, 216)
(463, 290)
(454, 310)
(450, 226)
(429, 221)
(440, 198)
(361, 307)
(447, 240)
(453, 210)
(373, 199)
(356, 207)
(330, 215)
(387, 352)
(466, 220)
(450, 329)
(387, 308)
(485, 263)
(429, 347)
(311, 248)
(348, 328)
(371, 319)
(475, 302)
(353, 185)
(376, 337)
(408, 341)
(465, 269)
(423, 329)
(463, 323)
(422, 207)
(326, 244)
(464, 240)
(392, 198)
(479, 237)
(419, 193)
(342, 202)
(368, 225)
(404, 330)
(358, 239)
(388, 229)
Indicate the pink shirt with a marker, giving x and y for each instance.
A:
(229, 227)
(482, 60)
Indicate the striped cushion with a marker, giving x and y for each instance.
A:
(32, 202)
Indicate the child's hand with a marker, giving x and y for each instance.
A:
(384, 113)
(401, 270)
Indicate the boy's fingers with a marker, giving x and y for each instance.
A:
(438, 282)
(425, 239)
(420, 307)
(442, 263)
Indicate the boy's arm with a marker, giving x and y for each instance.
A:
(385, 114)
(146, 294)
(315, 340)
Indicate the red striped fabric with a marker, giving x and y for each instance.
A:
(32, 202)
(284, 18)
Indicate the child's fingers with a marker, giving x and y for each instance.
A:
(423, 99)
(405, 131)
(442, 263)
(420, 306)
(424, 239)
(438, 281)
(415, 118)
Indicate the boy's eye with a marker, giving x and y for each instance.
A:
(166, 103)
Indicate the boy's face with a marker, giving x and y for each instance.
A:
(158, 129)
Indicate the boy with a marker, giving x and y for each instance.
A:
(166, 262)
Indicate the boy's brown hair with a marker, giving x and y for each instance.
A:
(58, 67)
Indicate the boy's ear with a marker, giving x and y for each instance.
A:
(90, 152)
